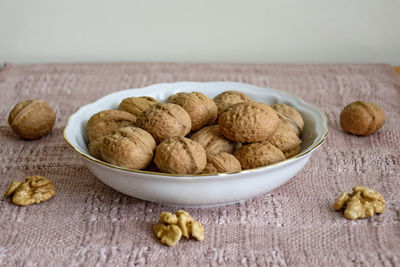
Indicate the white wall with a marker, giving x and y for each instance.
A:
(308, 31)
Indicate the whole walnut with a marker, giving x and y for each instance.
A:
(228, 98)
(107, 121)
(164, 120)
(201, 109)
(222, 162)
(213, 141)
(290, 116)
(248, 122)
(32, 119)
(129, 147)
(362, 118)
(258, 154)
(284, 138)
(292, 152)
(136, 105)
(95, 146)
(180, 155)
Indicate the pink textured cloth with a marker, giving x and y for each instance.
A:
(88, 223)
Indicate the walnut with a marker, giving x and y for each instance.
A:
(284, 138)
(258, 154)
(129, 147)
(164, 120)
(228, 98)
(32, 119)
(136, 105)
(363, 202)
(222, 162)
(213, 141)
(180, 155)
(248, 122)
(292, 152)
(362, 118)
(106, 121)
(171, 227)
(94, 148)
(35, 189)
(201, 109)
(290, 116)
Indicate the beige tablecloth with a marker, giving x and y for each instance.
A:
(88, 223)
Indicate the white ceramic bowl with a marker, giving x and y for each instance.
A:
(197, 190)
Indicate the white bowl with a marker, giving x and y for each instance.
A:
(197, 190)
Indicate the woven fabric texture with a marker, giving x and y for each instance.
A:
(88, 223)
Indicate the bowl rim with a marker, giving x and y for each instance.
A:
(308, 150)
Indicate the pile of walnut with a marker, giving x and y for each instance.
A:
(363, 202)
(227, 134)
(171, 227)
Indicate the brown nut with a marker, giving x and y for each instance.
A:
(35, 189)
(129, 147)
(228, 98)
(284, 138)
(222, 162)
(362, 118)
(201, 109)
(136, 105)
(290, 116)
(292, 152)
(106, 121)
(363, 202)
(32, 119)
(180, 155)
(248, 122)
(164, 120)
(213, 141)
(95, 146)
(258, 154)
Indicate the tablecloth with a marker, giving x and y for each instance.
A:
(88, 223)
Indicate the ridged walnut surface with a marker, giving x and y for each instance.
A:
(258, 154)
(228, 98)
(222, 162)
(213, 141)
(284, 138)
(290, 116)
(136, 105)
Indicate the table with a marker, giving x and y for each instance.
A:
(88, 223)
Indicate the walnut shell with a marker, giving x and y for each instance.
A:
(221, 162)
(290, 116)
(164, 120)
(201, 109)
(95, 146)
(293, 152)
(136, 105)
(258, 154)
(213, 141)
(129, 147)
(248, 122)
(32, 119)
(228, 98)
(106, 121)
(180, 155)
(362, 118)
(284, 138)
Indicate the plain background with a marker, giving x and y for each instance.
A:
(254, 31)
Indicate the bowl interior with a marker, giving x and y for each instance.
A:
(315, 124)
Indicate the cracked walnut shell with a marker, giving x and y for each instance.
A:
(362, 118)
(180, 155)
(129, 147)
(164, 120)
(248, 122)
(228, 98)
(258, 154)
(32, 119)
(136, 105)
(106, 121)
(35, 189)
(363, 202)
(222, 162)
(201, 109)
(213, 141)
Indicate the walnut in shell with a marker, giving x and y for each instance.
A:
(94, 147)
(164, 120)
(258, 154)
(292, 152)
(284, 138)
(228, 98)
(32, 119)
(201, 109)
(362, 118)
(136, 105)
(222, 162)
(180, 155)
(129, 147)
(213, 141)
(248, 122)
(290, 116)
(107, 121)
